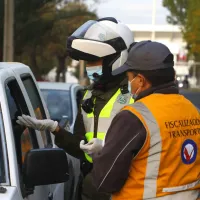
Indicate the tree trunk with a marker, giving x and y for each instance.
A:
(34, 66)
(57, 75)
(61, 69)
(64, 75)
(1, 55)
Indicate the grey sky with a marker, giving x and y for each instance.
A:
(133, 11)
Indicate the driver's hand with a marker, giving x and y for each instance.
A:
(41, 125)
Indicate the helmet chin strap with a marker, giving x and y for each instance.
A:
(116, 80)
(107, 76)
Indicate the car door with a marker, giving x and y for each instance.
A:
(7, 192)
(56, 190)
(25, 138)
(15, 101)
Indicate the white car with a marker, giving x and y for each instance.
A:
(62, 101)
(30, 166)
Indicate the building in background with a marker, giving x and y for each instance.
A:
(171, 36)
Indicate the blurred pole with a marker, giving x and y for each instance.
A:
(153, 20)
(8, 30)
(195, 71)
(81, 73)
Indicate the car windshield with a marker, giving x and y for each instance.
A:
(193, 96)
(59, 104)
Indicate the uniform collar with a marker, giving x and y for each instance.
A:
(111, 88)
(169, 88)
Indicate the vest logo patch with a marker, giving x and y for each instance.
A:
(189, 152)
(122, 99)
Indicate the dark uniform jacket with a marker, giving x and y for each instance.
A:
(71, 142)
(110, 174)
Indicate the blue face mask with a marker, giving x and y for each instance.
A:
(129, 87)
(134, 96)
(94, 70)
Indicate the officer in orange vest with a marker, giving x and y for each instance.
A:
(152, 147)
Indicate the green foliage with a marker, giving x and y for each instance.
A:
(178, 11)
(41, 30)
(70, 18)
(192, 28)
(186, 13)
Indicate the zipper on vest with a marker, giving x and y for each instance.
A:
(95, 122)
(95, 125)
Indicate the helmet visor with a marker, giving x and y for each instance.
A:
(94, 30)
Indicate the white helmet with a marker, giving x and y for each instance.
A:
(104, 38)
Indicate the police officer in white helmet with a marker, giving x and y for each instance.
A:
(104, 45)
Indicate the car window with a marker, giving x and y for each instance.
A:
(37, 106)
(25, 139)
(59, 104)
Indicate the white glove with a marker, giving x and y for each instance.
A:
(41, 125)
(93, 146)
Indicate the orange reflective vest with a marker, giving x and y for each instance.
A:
(168, 165)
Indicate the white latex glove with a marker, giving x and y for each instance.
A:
(41, 125)
(93, 146)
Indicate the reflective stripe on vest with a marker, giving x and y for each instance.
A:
(152, 168)
(113, 106)
(157, 172)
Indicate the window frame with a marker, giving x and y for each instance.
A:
(47, 133)
(31, 131)
(4, 151)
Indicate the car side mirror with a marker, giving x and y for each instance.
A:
(45, 166)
